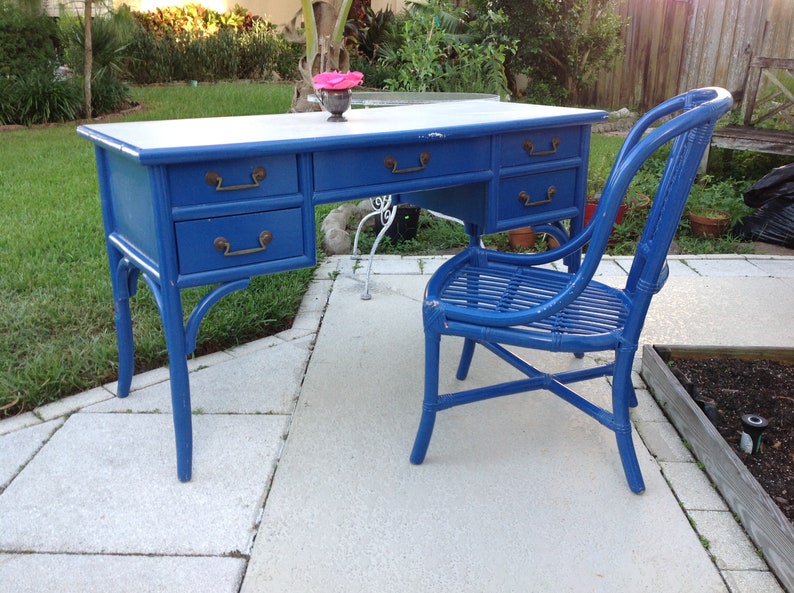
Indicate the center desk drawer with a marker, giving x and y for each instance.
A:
(212, 182)
(229, 241)
(538, 146)
(341, 169)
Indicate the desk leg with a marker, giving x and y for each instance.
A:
(124, 287)
(171, 314)
(169, 301)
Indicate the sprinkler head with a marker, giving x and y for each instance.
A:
(753, 427)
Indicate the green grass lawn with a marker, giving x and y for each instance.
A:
(56, 309)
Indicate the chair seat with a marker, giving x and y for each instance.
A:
(599, 311)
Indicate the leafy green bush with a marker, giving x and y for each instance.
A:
(33, 92)
(193, 43)
(110, 37)
(440, 48)
(108, 94)
(29, 90)
(258, 48)
(37, 97)
(564, 43)
(27, 41)
(371, 30)
(725, 195)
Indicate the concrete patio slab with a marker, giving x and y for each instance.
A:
(722, 311)
(106, 484)
(20, 446)
(264, 382)
(520, 494)
(35, 573)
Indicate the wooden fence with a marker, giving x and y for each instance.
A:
(675, 45)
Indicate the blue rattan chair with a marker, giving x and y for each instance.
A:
(499, 299)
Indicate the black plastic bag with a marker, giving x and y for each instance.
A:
(773, 196)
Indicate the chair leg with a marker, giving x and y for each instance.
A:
(628, 457)
(428, 420)
(465, 359)
(623, 397)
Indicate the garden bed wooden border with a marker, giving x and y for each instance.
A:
(767, 526)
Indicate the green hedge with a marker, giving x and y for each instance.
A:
(259, 52)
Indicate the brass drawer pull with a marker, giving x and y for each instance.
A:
(526, 199)
(222, 244)
(530, 148)
(212, 178)
(391, 163)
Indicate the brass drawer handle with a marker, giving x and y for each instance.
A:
(391, 163)
(212, 178)
(222, 244)
(530, 148)
(526, 199)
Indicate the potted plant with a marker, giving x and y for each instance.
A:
(522, 238)
(714, 206)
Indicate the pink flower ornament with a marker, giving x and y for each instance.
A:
(336, 81)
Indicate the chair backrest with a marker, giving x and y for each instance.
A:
(690, 130)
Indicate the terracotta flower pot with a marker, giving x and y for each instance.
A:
(708, 225)
(520, 239)
(590, 208)
(589, 211)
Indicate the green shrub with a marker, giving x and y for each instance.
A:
(439, 49)
(151, 58)
(110, 37)
(174, 45)
(37, 97)
(370, 31)
(286, 60)
(108, 94)
(257, 50)
(27, 41)
(564, 43)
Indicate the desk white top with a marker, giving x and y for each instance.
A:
(166, 141)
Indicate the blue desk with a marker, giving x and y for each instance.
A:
(214, 202)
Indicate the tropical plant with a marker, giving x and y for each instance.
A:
(564, 43)
(710, 194)
(441, 48)
(323, 33)
(371, 30)
(37, 97)
(110, 36)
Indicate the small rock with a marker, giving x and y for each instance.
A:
(337, 241)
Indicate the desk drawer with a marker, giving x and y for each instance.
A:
(538, 146)
(226, 180)
(229, 241)
(536, 195)
(352, 168)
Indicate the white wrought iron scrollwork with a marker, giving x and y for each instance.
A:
(382, 207)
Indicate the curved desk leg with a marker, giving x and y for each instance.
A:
(171, 313)
(125, 345)
(383, 206)
(124, 284)
(356, 253)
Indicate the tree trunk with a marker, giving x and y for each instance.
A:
(88, 60)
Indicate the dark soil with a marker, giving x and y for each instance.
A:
(729, 388)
